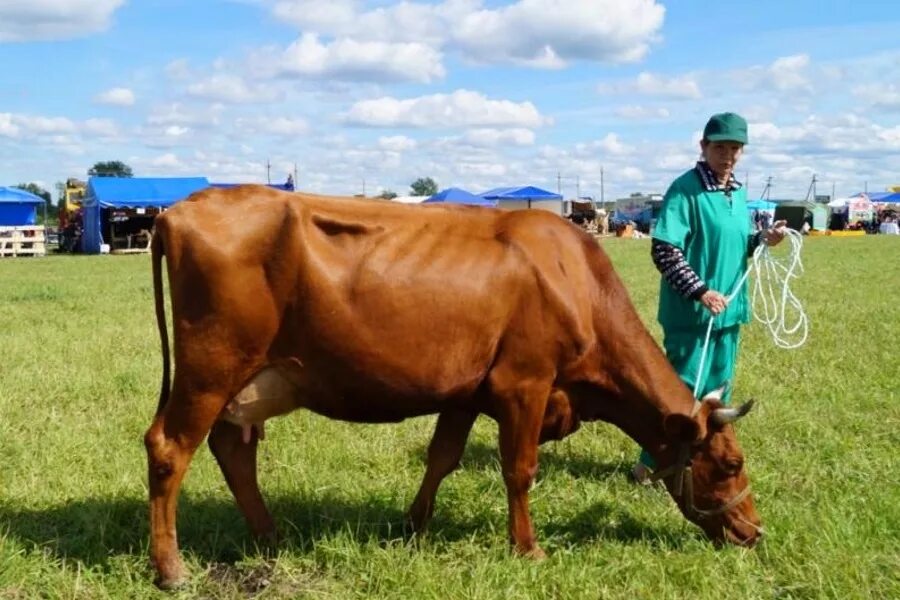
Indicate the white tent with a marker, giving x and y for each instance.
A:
(410, 199)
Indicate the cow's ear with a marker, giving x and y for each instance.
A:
(682, 428)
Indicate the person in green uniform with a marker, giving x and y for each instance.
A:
(700, 245)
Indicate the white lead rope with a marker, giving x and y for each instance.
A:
(771, 306)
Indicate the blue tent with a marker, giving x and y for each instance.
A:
(18, 207)
(761, 205)
(284, 187)
(455, 195)
(130, 192)
(528, 192)
(885, 197)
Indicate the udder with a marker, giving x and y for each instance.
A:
(275, 390)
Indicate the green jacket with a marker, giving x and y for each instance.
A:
(713, 232)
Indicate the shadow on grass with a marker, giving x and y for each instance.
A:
(93, 530)
(479, 455)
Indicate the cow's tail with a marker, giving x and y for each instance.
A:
(158, 251)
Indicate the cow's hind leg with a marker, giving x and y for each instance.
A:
(237, 459)
(171, 441)
(520, 412)
(444, 451)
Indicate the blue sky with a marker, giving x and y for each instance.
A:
(474, 93)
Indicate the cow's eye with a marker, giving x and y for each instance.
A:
(733, 465)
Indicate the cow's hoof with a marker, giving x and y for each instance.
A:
(535, 553)
(171, 582)
(417, 522)
(267, 543)
(171, 577)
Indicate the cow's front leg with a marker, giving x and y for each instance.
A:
(171, 441)
(444, 451)
(237, 459)
(520, 418)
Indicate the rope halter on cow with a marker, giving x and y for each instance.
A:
(683, 483)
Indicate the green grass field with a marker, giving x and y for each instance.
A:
(79, 376)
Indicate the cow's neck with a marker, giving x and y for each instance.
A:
(643, 388)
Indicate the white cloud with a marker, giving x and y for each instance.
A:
(178, 69)
(22, 21)
(102, 128)
(179, 114)
(612, 145)
(232, 89)
(176, 131)
(880, 96)
(539, 33)
(640, 113)
(632, 174)
(787, 72)
(7, 127)
(462, 108)
(116, 97)
(548, 33)
(276, 126)
(489, 138)
(361, 60)
(396, 143)
(649, 84)
(784, 74)
(168, 160)
(58, 132)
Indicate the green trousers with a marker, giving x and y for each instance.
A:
(684, 349)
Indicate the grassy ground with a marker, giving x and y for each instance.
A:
(78, 382)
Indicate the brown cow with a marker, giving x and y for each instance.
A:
(383, 312)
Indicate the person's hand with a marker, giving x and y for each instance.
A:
(714, 301)
(776, 233)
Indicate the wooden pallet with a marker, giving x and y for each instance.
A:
(23, 240)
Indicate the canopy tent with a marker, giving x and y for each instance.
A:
(455, 195)
(761, 205)
(528, 192)
(409, 199)
(885, 197)
(524, 196)
(284, 187)
(130, 193)
(18, 207)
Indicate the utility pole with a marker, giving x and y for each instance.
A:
(559, 183)
(811, 192)
(602, 198)
(364, 187)
(766, 190)
(268, 171)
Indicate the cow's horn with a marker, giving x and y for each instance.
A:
(723, 416)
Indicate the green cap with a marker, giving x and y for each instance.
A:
(726, 127)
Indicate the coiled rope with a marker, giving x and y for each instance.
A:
(772, 300)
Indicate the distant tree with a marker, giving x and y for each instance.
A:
(423, 186)
(35, 189)
(111, 168)
(387, 195)
(50, 210)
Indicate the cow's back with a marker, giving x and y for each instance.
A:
(409, 304)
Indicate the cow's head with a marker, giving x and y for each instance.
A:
(705, 472)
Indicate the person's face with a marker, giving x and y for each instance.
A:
(722, 157)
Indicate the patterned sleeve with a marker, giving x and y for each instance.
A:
(676, 271)
(753, 241)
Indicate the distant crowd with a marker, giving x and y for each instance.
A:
(883, 221)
